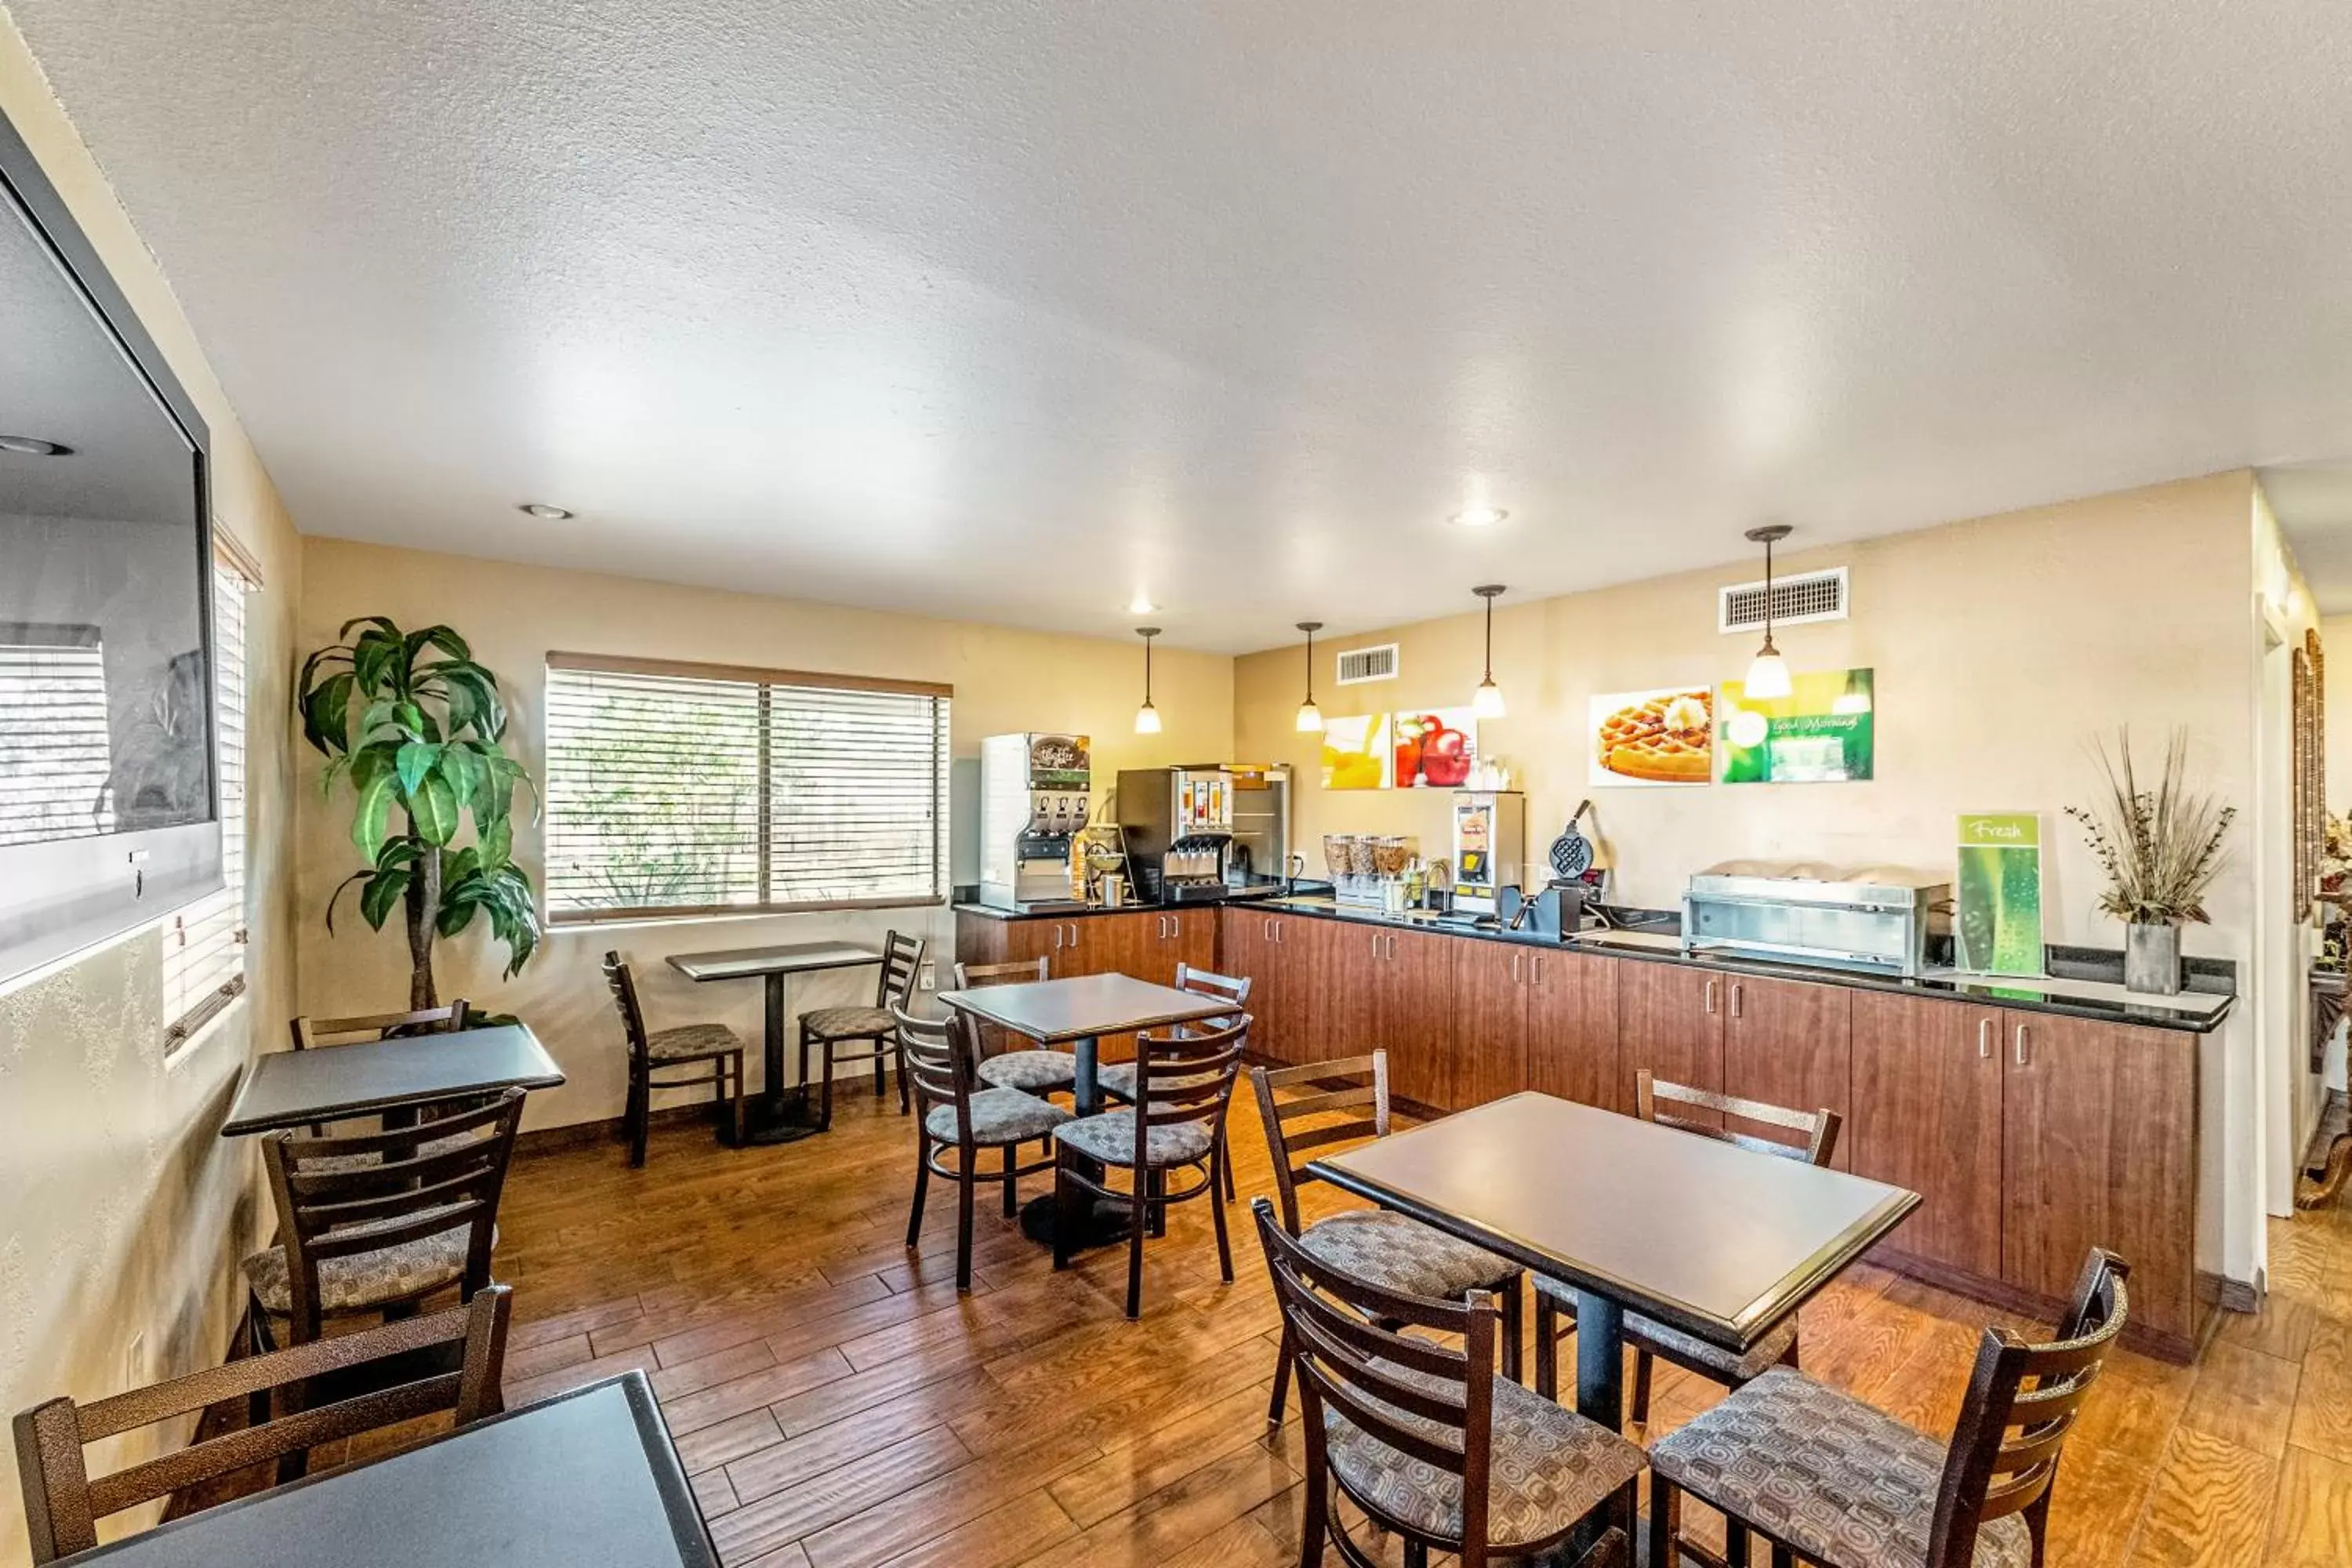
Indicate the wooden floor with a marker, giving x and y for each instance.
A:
(838, 1405)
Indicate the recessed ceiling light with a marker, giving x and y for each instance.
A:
(32, 446)
(1478, 517)
(1140, 605)
(541, 509)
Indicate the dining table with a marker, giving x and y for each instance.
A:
(1721, 1242)
(775, 1117)
(587, 1476)
(391, 1077)
(1077, 1012)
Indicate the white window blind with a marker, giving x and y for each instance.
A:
(55, 761)
(204, 946)
(690, 789)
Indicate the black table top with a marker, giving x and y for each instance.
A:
(1053, 1011)
(1716, 1240)
(586, 1477)
(752, 962)
(292, 1088)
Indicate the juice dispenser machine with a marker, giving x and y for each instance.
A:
(1033, 801)
(1490, 846)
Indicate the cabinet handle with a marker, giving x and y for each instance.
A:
(1058, 936)
(1514, 969)
(1277, 930)
(1535, 969)
(1074, 934)
(1710, 995)
(2021, 1046)
(1984, 1039)
(1737, 998)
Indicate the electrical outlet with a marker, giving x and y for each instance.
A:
(928, 980)
(134, 1362)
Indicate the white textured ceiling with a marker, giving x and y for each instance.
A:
(1010, 310)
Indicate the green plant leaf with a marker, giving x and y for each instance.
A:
(464, 772)
(380, 621)
(446, 639)
(376, 659)
(399, 851)
(412, 721)
(416, 759)
(383, 890)
(460, 864)
(354, 877)
(326, 713)
(433, 810)
(382, 714)
(374, 760)
(496, 843)
(372, 812)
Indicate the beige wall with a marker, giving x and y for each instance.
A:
(2001, 647)
(515, 615)
(2335, 639)
(123, 1212)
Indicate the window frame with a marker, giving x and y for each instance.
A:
(762, 678)
(231, 566)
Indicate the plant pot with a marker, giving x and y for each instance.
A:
(2152, 957)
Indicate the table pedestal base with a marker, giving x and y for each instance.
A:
(780, 1119)
(1104, 1224)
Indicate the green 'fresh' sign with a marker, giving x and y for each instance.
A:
(1996, 929)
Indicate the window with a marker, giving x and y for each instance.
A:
(690, 789)
(53, 687)
(204, 946)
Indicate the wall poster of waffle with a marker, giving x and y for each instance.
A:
(1821, 733)
(1661, 737)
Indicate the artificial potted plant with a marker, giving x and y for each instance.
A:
(417, 727)
(2160, 849)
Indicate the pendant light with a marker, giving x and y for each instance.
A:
(1768, 672)
(1147, 717)
(1486, 703)
(1310, 718)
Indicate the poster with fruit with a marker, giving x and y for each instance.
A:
(1355, 752)
(1434, 748)
(1665, 737)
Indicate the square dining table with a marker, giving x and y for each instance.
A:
(773, 1118)
(1718, 1241)
(586, 1477)
(1077, 1012)
(388, 1078)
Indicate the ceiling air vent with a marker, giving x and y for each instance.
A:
(1809, 596)
(1359, 664)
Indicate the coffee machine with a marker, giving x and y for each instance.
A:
(1033, 801)
(1179, 824)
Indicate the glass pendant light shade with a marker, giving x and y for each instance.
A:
(1768, 672)
(1147, 717)
(1486, 703)
(1310, 718)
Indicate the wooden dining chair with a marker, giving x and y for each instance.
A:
(1184, 1083)
(1003, 1065)
(691, 1054)
(1422, 1435)
(1116, 1079)
(1347, 1102)
(309, 1033)
(63, 1503)
(380, 1237)
(1686, 1110)
(1825, 1478)
(953, 1113)
(830, 1028)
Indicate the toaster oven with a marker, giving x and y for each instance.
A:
(1874, 918)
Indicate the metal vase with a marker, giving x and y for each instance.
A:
(2152, 957)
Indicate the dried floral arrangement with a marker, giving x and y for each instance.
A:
(2160, 848)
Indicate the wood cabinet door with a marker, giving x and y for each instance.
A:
(1026, 941)
(1192, 939)
(1414, 1001)
(2099, 1147)
(1339, 1017)
(1491, 994)
(1669, 1020)
(1246, 949)
(1927, 1116)
(1789, 1044)
(1571, 1028)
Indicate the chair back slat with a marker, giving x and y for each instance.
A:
(902, 961)
(1366, 1084)
(624, 986)
(1188, 1078)
(2021, 1404)
(312, 1032)
(403, 1194)
(940, 1061)
(1654, 1097)
(1354, 1343)
(63, 1504)
(993, 1038)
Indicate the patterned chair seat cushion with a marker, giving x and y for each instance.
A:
(1110, 1139)
(847, 1023)
(1401, 1254)
(1547, 1466)
(1032, 1072)
(998, 1116)
(1688, 1350)
(366, 1279)
(1847, 1484)
(689, 1040)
